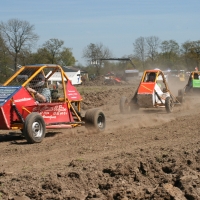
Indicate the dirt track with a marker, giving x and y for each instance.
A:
(145, 155)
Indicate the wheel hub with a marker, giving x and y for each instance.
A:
(36, 128)
(100, 121)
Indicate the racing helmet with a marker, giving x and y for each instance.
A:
(196, 76)
(37, 81)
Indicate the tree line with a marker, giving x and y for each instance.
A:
(149, 53)
(18, 41)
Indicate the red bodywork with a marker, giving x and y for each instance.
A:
(18, 103)
(146, 88)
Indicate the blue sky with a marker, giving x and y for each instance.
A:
(114, 23)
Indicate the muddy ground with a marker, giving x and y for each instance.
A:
(148, 154)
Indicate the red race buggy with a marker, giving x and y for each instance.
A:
(152, 92)
(20, 109)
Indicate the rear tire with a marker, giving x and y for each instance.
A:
(95, 120)
(188, 89)
(180, 99)
(169, 104)
(134, 106)
(123, 105)
(180, 92)
(34, 128)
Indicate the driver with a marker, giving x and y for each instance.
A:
(157, 88)
(151, 77)
(37, 87)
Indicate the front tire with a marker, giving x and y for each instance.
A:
(169, 104)
(34, 128)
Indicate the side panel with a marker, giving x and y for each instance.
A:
(146, 95)
(10, 96)
(54, 112)
(6, 92)
(51, 112)
(5, 116)
(146, 88)
(72, 93)
(196, 83)
(146, 100)
(22, 99)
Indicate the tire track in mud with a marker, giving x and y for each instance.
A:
(145, 155)
(148, 117)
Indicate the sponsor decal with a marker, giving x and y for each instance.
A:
(60, 113)
(47, 108)
(21, 100)
(49, 117)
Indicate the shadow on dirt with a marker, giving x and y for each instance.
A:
(52, 133)
(18, 138)
(11, 137)
(155, 110)
(146, 111)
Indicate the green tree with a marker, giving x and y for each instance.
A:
(66, 57)
(94, 52)
(187, 55)
(170, 53)
(195, 52)
(5, 61)
(152, 46)
(18, 35)
(140, 50)
(40, 56)
(53, 47)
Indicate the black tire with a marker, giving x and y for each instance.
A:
(180, 99)
(169, 104)
(188, 89)
(134, 106)
(95, 120)
(123, 105)
(180, 92)
(34, 128)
